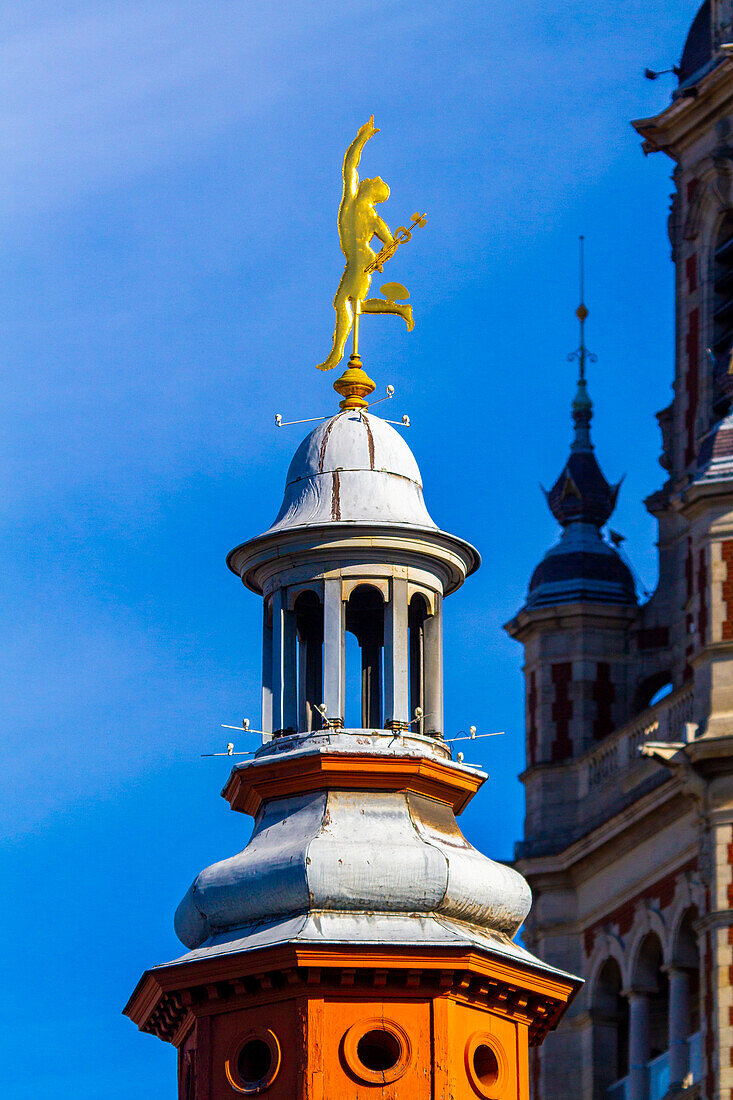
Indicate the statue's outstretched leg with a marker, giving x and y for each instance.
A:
(381, 305)
(344, 321)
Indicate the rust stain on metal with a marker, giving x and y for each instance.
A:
(335, 501)
(324, 441)
(370, 439)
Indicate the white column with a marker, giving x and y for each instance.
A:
(284, 687)
(303, 723)
(638, 1046)
(266, 671)
(679, 1020)
(396, 676)
(333, 650)
(434, 668)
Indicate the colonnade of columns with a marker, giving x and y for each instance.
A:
(641, 1049)
(678, 1018)
(304, 655)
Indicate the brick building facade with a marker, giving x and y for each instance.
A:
(628, 840)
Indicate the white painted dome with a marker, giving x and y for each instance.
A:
(353, 468)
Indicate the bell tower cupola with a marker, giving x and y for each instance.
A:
(353, 549)
(358, 945)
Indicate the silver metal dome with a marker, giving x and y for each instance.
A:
(353, 468)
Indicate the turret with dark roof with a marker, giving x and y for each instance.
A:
(582, 566)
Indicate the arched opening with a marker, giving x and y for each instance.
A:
(610, 1015)
(722, 339)
(650, 983)
(309, 627)
(685, 1046)
(416, 615)
(267, 643)
(652, 690)
(365, 620)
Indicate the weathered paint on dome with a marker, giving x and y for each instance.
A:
(353, 468)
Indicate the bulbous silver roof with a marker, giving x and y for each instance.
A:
(391, 853)
(353, 468)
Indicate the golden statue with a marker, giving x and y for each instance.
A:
(358, 223)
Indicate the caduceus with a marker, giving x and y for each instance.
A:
(358, 224)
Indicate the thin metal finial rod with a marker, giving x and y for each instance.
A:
(582, 312)
(581, 353)
(355, 305)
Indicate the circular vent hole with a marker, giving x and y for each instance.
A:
(485, 1065)
(378, 1050)
(254, 1062)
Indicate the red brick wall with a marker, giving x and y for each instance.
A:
(692, 381)
(604, 694)
(562, 711)
(532, 719)
(708, 1004)
(727, 554)
(689, 583)
(661, 891)
(702, 597)
(691, 273)
(654, 637)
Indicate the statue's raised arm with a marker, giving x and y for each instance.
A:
(358, 224)
(353, 156)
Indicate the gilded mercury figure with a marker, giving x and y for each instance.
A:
(358, 224)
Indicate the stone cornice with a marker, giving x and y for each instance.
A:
(695, 498)
(167, 999)
(645, 809)
(567, 616)
(261, 558)
(688, 116)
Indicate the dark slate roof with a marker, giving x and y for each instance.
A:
(698, 49)
(581, 492)
(581, 567)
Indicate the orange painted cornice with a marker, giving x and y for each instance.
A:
(251, 785)
(166, 997)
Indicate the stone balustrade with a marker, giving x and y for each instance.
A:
(604, 779)
(666, 721)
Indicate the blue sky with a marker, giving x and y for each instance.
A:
(169, 180)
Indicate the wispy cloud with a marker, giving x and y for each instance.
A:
(92, 93)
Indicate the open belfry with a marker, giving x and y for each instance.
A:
(358, 946)
(628, 842)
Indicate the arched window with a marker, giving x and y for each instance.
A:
(653, 690)
(685, 1047)
(416, 616)
(650, 986)
(365, 620)
(722, 276)
(309, 627)
(610, 1015)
